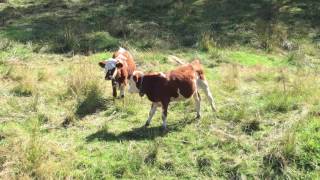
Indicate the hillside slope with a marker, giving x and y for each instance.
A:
(86, 26)
(58, 119)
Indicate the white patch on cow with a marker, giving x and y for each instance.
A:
(179, 98)
(164, 121)
(198, 101)
(114, 75)
(203, 84)
(121, 57)
(122, 50)
(151, 113)
(162, 74)
(132, 84)
(110, 64)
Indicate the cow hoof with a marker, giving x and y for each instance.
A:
(198, 116)
(122, 96)
(164, 129)
(146, 125)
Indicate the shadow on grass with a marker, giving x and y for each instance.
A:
(138, 134)
(92, 104)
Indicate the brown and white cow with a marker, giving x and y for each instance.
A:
(118, 69)
(183, 82)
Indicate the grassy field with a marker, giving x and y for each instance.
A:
(58, 119)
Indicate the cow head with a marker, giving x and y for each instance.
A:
(135, 83)
(111, 67)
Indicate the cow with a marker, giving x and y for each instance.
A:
(118, 69)
(162, 88)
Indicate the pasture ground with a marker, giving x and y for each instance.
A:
(58, 119)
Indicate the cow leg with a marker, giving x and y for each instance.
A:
(114, 88)
(203, 84)
(122, 90)
(197, 98)
(151, 113)
(164, 114)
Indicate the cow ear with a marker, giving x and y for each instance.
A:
(102, 64)
(119, 65)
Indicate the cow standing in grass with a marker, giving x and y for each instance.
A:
(181, 83)
(118, 69)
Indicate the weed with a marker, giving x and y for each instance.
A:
(151, 158)
(167, 166)
(23, 89)
(10, 73)
(278, 101)
(276, 162)
(81, 81)
(307, 137)
(231, 78)
(206, 43)
(250, 127)
(233, 112)
(43, 118)
(42, 76)
(204, 164)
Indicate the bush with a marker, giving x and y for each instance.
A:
(99, 41)
(206, 43)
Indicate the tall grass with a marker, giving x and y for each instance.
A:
(86, 87)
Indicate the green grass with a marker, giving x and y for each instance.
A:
(251, 59)
(58, 119)
(69, 127)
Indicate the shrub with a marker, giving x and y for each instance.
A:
(99, 41)
(206, 43)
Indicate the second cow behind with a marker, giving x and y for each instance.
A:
(118, 69)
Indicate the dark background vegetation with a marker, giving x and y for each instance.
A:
(87, 26)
